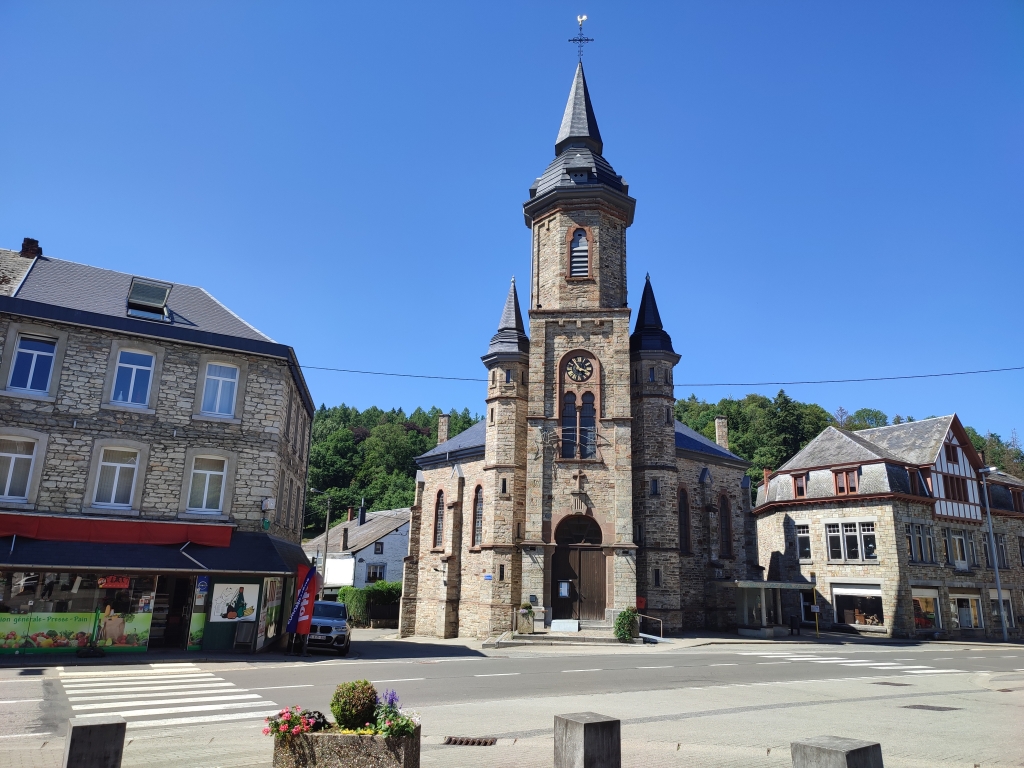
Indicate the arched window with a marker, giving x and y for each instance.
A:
(579, 255)
(478, 517)
(684, 522)
(569, 426)
(588, 417)
(725, 526)
(439, 521)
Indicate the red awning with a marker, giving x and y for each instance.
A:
(84, 529)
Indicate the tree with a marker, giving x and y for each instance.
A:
(867, 418)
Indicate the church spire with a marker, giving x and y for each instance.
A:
(579, 125)
(510, 342)
(649, 334)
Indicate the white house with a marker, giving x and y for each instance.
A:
(361, 551)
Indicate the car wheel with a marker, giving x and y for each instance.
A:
(344, 649)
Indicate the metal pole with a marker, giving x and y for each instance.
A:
(327, 541)
(993, 555)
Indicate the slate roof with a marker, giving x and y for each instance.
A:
(104, 291)
(837, 446)
(915, 442)
(511, 341)
(690, 440)
(579, 123)
(464, 445)
(649, 334)
(377, 526)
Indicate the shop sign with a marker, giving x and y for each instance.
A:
(55, 632)
(230, 602)
(113, 582)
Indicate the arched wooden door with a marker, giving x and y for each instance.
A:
(578, 570)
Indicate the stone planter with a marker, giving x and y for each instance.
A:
(325, 749)
(525, 624)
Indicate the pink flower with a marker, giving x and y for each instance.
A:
(283, 727)
(296, 729)
(266, 731)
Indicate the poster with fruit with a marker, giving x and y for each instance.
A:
(123, 631)
(55, 632)
(195, 631)
(232, 603)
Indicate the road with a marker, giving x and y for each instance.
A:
(721, 705)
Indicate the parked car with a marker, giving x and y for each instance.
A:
(329, 628)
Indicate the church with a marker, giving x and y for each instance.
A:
(578, 493)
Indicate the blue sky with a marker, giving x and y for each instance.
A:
(825, 190)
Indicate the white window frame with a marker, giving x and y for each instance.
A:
(117, 474)
(134, 369)
(5, 482)
(383, 572)
(867, 590)
(207, 378)
(32, 367)
(206, 485)
(930, 594)
(1007, 606)
(803, 534)
(859, 532)
(955, 613)
(202, 370)
(958, 537)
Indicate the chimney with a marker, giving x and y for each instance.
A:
(362, 512)
(344, 538)
(722, 431)
(351, 513)
(30, 248)
(442, 428)
(767, 472)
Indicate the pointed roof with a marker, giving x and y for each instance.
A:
(511, 341)
(649, 334)
(578, 122)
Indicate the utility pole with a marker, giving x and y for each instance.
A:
(327, 536)
(985, 472)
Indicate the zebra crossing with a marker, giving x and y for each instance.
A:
(898, 665)
(147, 696)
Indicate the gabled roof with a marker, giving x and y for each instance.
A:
(377, 526)
(836, 446)
(511, 341)
(465, 445)
(915, 442)
(649, 334)
(690, 440)
(104, 292)
(579, 124)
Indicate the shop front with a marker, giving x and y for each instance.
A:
(64, 596)
(859, 606)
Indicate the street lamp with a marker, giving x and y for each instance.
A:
(327, 536)
(985, 472)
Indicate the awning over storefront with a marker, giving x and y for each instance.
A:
(256, 553)
(775, 584)
(107, 531)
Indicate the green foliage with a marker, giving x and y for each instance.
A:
(354, 704)
(358, 600)
(867, 418)
(1006, 455)
(625, 623)
(369, 454)
(384, 592)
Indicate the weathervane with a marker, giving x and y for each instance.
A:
(580, 40)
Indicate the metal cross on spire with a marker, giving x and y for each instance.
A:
(580, 40)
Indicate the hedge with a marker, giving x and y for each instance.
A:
(358, 600)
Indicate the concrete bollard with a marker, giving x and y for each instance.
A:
(587, 740)
(94, 742)
(836, 752)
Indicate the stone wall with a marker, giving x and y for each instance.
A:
(78, 415)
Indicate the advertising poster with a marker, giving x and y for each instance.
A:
(55, 632)
(270, 618)
(231, 602)
(195, 631)
(122, 631)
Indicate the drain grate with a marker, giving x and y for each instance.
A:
(894, 684)
(468, 741)
(931, 708)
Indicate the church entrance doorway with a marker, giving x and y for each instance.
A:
(578, 570)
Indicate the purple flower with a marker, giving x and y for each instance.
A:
(390, 699)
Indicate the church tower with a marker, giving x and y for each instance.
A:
(578, 555)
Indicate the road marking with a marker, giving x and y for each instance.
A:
(138, 680)
(932, 671)
(1007, 657)
(25, 735)
(942, 658)
(18, 701)
(189, 664)
(668, 666)
(907, 666)
(275, 687)
(773, 662)
(498, 674)
(583, 670)
(80, 707)
(202, 719)
(168, 688)
(113, 696)
(110, 673)
(400, 680)
(175, 710)
(722, 665)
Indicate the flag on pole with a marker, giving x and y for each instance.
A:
(302, 611)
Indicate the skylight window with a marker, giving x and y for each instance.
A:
(148, 299)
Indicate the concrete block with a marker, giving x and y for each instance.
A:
(565, 625)
(94, 742)
(587, 740)
(836, 752)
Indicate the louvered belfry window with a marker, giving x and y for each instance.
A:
(579, 255)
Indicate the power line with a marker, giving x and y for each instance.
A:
(713, 384)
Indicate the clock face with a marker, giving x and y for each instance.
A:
(579, 369)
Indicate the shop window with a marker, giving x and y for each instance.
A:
(375, 572)
(846, 482)
(965, 612)
(16, 457)
(926, 612)
(861, 607)
(803, 542)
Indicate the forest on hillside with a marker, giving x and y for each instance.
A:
(370, 454)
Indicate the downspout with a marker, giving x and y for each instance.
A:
(186, 554)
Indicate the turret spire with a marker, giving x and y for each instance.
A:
(649, 334)
(511, 341)
(579, 125)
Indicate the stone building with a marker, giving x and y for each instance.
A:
(153, 452)
(578, 493)
(889, 528)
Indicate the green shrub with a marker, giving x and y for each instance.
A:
(355, 600)
(624, 624)
(354, 704)
(384, 592)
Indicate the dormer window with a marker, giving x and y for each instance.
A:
(147, 299)
(846, 482)
(579, 255)
(800, 486)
